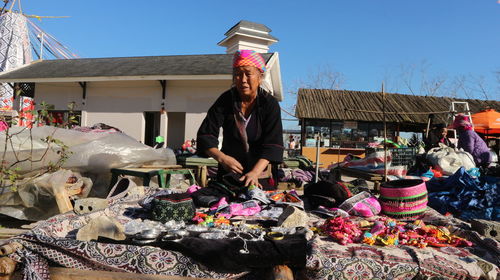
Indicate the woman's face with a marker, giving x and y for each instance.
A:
(443, 132)
(247, 80)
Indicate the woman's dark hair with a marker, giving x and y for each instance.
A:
(439, 126)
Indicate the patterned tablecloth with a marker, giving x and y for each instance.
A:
(49, 243)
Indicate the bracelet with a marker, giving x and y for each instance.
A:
(274, 235)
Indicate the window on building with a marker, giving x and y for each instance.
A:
(25, 89)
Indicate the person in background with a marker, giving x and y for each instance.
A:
(471, 142)
(291, 143)
(250, 118)
(438, 135)
(193, 143)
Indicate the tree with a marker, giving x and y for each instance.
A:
(323, 77)
(417, 79)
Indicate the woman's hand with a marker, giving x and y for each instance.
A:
(231, 164)
(251, 178)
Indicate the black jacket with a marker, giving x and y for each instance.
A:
(265, 131)
(433, 141)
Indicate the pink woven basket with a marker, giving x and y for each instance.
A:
(403, 199)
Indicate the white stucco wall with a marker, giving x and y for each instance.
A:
(122, 103)
(193, 96)
(193, 121)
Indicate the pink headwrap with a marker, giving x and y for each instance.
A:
(249, 58)
(462, 121)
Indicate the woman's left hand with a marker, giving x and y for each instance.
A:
(251, 178)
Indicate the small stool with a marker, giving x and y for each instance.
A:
(169, 172)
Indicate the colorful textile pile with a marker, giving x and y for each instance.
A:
(210, 220)
(390, 232)
(342, 230)
(295, 175)
(283, 197)
(375, 163)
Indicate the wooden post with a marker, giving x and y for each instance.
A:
(317, 158)
(385, 133)
(302, 135)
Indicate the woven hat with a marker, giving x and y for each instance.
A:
(403, 199)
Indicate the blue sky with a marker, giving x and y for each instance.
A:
(366, 40)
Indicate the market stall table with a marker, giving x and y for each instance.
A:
(200, 165)
(163, 174)
(52, 242)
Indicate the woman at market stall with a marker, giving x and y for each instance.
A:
(251, 121)
(471, 142)
(438, 135)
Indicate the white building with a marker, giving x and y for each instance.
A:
(146, 96)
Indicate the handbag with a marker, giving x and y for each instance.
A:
(176, 206)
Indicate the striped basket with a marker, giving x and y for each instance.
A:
(403, 199)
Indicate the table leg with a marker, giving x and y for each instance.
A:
(146, 179)
(162, 179)
(114, 179)
(203, 176)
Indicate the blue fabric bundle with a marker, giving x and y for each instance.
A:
(466, 197)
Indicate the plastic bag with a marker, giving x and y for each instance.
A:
(449, 160)
(35, 200)
(90, 151)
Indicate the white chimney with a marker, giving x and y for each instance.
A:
(247, 35)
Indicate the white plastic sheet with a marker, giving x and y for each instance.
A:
(90, 151)
(92, 154)
(449, 160)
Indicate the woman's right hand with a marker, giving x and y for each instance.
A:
(231, 164)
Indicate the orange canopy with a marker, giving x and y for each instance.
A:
(487, 122)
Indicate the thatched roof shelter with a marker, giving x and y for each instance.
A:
(410, 111)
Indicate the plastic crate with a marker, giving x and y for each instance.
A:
(400, 156)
